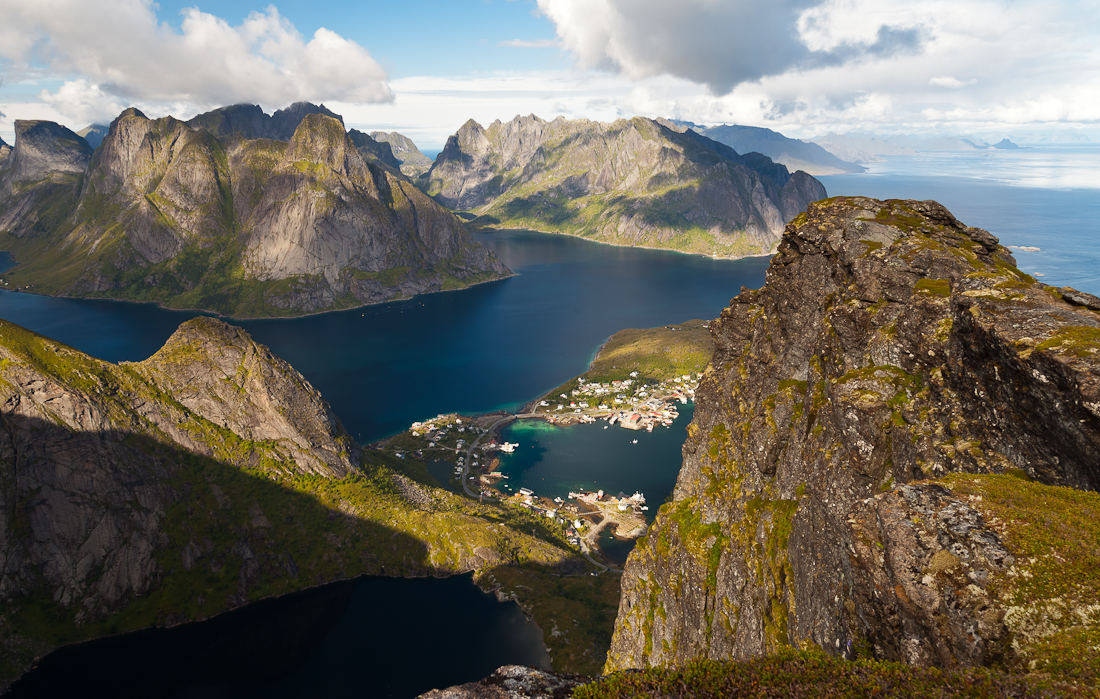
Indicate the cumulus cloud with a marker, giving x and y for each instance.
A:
(811, 65)
(952, 82)
(121, 52)
(717, 43)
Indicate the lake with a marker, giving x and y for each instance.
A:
(372, 637)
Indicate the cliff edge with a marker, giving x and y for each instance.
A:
(866, 441)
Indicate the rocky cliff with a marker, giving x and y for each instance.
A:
(413, 162)
(631, 182)
(208, 475)
(217, 219)
(889, 457)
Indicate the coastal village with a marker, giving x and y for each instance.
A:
(472, 448)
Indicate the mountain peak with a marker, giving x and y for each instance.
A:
(43, 148)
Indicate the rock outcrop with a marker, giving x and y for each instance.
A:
(891, 347)
(413, 162)
(217, 218)
(631, 182)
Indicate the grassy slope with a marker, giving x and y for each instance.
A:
(815, 674)
(656, 354)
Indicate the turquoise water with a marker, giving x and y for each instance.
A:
(497, 345)
(553, 460)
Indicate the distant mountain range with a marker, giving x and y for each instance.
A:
(234, 211)
(870, 148)
(636, 181)
(794, 154)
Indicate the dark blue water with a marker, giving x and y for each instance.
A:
(497, 345)
(1046, 197)
(373, 637)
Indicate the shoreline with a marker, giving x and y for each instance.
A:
(641, 247)
(223, 316)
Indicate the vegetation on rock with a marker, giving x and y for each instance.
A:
(631, 182)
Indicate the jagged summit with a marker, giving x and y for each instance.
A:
(632, 182)
(249, 120)
(891, 345)
(43, 148)
(411, 161)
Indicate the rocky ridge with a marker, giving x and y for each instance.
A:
(891, 345)
(631, 182)
(209, 475)
(413, 162)
(209, 217)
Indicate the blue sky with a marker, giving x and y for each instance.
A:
(989, 68)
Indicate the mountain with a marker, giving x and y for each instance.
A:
(632, 182)
(5, 153)
(207, 476)
(249, 121)
(1005, 144)
(413, 162)
(894, 455)
(94, 134)
(794, 154)
(212, 218)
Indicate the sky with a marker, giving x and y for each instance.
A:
(989, 68)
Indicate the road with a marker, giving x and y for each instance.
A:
(466, 487)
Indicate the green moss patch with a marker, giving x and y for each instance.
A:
(815, 674)
(1052, 592)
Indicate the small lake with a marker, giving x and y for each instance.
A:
(383, 638)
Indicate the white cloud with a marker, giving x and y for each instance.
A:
(118, 48)
(83, 102)
(952, 82)
(720, 43)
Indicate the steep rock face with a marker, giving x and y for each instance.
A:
(413, 162)
(86, 496)
(43, 148)
(247, 227)
(632, 182)
(373, 150)
(890, 344)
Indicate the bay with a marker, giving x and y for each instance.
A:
(494, 346)
(1043, 196)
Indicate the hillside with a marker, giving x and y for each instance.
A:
(205, 477)
(790, 152)
(412, 162)
(635, 182)
(218, 216)
(894, 455)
